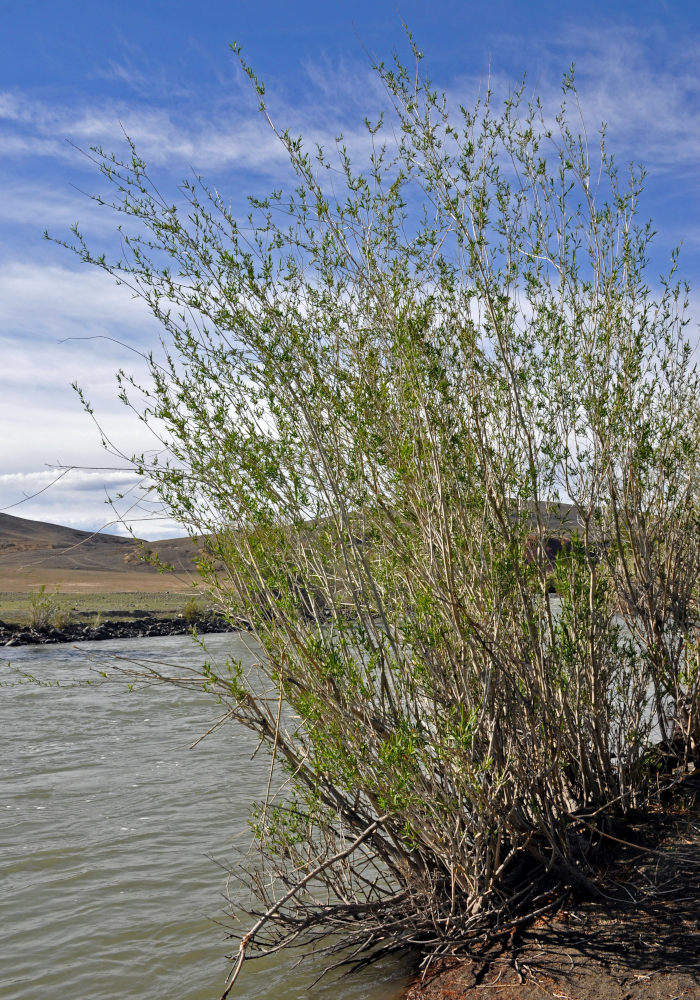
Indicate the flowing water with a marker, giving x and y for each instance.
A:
(116, 839)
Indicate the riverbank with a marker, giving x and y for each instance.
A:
(640, 941)
(141, 624)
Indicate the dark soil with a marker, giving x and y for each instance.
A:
(641, 940)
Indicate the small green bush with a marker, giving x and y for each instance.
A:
(192, 610)
(47, 611)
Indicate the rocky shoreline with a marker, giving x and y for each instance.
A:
(140, 624)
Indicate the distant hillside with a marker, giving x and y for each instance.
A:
(35, 552)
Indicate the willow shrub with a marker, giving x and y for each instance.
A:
(382, 396)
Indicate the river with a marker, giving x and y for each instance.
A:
(116, 838)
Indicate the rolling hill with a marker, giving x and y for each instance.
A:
(36, 552)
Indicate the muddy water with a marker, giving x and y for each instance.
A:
(115, 838)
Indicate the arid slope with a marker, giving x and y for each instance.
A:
(33, 553)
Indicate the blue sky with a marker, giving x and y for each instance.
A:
(73, 73)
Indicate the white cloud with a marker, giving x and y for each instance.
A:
(39, 206)
(78, 498)
(40, 301)
(46, 314)
(179, 135)
(41, 420)
(203, 141)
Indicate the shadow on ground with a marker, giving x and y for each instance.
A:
(640, 942)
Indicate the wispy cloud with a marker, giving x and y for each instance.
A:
(642, 83)
(38, 206)
(207, 141)
(221, 132)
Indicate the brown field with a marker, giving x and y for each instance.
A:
(89, 573)
(95, 582)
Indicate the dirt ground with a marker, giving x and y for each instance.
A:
(640, 942)
(92, 582)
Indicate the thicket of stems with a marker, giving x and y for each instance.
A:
(441, 437)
